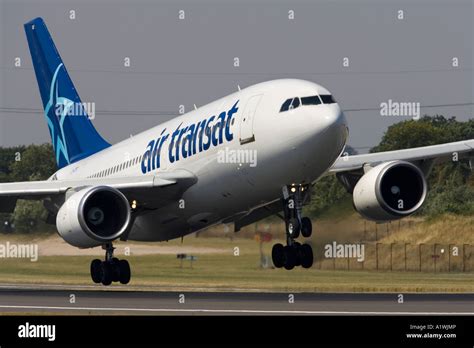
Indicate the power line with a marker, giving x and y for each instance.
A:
(8, 110)
(98, 112)
(421, 107)
(131, 71)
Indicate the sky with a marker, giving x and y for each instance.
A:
(190, 61)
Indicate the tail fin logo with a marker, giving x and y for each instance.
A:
(56, 119)
(73, 138)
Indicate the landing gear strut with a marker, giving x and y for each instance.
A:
(110, 270)
(293, 253)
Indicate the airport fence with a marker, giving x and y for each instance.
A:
(400, 257)
(379, 254)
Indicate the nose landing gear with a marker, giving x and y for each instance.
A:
(293, 253)
(110, 270)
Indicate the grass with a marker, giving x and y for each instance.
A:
(445, 229)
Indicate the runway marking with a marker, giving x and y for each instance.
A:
(237, 311)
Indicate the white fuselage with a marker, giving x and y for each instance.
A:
(275, 148)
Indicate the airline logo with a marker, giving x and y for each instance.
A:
(186, 141)
(55, 101)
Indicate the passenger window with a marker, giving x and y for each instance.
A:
(313, 100)
(327, 99)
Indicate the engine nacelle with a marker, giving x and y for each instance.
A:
(93, 216)
(390, 191)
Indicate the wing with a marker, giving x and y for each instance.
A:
(152, 190)
(349, 169)
(419, 155)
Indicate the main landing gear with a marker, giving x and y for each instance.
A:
(110, 270)
(293, 253)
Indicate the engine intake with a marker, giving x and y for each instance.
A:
(93, 216)
(390, 191)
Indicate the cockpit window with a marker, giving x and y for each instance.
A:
(295, 103)
(286, 105)
(327, 99)
(290, 104)
(314, 100)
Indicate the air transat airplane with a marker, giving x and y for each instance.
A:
(173, 179)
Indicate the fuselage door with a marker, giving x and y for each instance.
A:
(247, 119)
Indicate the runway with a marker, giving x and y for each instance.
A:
(44, 300)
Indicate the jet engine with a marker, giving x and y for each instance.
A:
(390, 191)
(93, 216)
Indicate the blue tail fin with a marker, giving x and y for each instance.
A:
(72, 133)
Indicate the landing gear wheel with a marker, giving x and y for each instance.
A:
(107, 273)
(110, 270)
(115, 269)
(306, 227)
(293, 198)
(96, 271)
(278, 255)
(290, 257)
(293, 228)
(306, 256)
(299, 256)
(124, 270)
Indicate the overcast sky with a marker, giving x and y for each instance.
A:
(190, 61)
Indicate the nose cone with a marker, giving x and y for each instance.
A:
(336, 130)
(334, 117)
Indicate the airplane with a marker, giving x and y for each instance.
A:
(193, 171)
